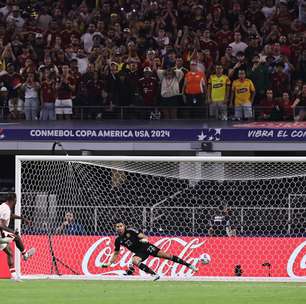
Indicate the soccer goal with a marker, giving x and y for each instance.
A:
(247, 213)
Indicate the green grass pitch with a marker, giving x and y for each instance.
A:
(162, 292)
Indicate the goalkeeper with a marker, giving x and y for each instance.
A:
(137, 242)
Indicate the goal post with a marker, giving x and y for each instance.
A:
(247, 213)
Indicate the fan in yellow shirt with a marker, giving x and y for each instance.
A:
(218, 94)
(243, 93)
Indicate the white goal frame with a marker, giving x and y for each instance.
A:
(20, 158)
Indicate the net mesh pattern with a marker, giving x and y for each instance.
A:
(222, 199)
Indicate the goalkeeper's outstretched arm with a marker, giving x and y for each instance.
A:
(112, 259)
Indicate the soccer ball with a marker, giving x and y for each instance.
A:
(205, 258)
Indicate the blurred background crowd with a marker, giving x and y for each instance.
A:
(140, 59)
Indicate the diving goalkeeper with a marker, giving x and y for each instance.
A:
(138, 243)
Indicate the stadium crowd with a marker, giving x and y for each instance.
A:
(235, 59)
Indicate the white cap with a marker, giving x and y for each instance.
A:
(3, 89)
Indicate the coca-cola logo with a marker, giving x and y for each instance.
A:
(299, 253)
(101, 251)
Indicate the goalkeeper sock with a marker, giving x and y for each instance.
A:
(176, 259)
(146, 269)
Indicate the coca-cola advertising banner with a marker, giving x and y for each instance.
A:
(258, 257)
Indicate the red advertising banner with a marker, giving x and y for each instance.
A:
(85, 254)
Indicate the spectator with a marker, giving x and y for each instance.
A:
(285, 106)
(280, 80)
(3, 102)
(31, 88)
(148, 87)
(268, 108)
(243, 93)
(5, 10)
(70, 226)
(92, 92)
(15, 18)
(220, 224)
(15, 108)
(237, 45)
(302, 11)
(65, 86)
(241, 64)
(43, 18)
(302, 66)
(254, 47)
(268, 9)
(206, 43)
(87, 38)
(228, 60)
(297, 88)
(48, 96)
(170, 91)
(224, 37)
(152, 34)
(259, 74)
(299, 105)
(194, 89)
(218, 94)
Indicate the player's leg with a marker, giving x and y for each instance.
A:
(175, 259)
(137, 261)
(130, 270)
(10, 262)
(26, 254)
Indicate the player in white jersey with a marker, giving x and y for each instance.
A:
(8, 235)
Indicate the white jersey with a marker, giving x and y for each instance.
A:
(5, 213)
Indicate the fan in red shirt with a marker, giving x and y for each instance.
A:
(299, 105)
(285, 106)
(266, 106)
(48, 96)
(65, 87)
(148, 88)
(52, 33)
(207, 44)
(224, 37)
(280, 81)
(67, 33)
(285, 49)
(149, 61)
(26, 54)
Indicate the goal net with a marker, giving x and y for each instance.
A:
(248, 214)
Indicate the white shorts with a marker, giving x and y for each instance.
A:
(5, 240)
(244, 111)
(63, 106)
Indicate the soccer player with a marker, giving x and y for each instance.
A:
(138, 243)
(8, 235)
